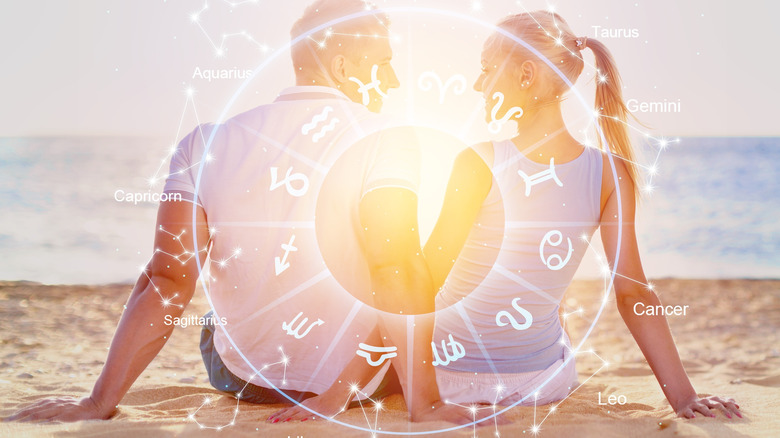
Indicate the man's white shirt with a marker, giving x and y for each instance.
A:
(261, 179)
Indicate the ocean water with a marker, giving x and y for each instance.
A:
(714, 211)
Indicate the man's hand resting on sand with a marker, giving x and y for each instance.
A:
(63, 409)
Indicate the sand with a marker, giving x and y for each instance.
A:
(54, 341)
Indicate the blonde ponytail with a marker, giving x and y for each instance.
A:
(613, 113)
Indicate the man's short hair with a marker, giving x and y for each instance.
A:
(345, 36)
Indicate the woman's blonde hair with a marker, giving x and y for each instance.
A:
(549, 34)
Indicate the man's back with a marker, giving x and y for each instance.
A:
(259, 177)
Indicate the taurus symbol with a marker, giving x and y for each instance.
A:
(295, 332)
(457, 352)
(495, 124)
(287, 182)
(390, 352)
(426, 80)
(526, 314)
(374, 84)
(557, 259)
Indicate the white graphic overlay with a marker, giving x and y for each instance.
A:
(517, 326)
(321, 117)
(366, 350)
(281, 264)
(554, 261)
(457, 352)
(495, 124)
(428, 78)
(288, 180)
(296, 331)
(540, 177)
(374, 84)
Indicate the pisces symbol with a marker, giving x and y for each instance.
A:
(287, 182)
(495, 124)
(374, 84)
(554, 261)
(322, 116)
(295, 332)
(526, 314)
(389, 352)
(426, 80)
(457, 352)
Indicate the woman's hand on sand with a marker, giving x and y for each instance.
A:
(326, 406)
(707, 406)
(63, 409)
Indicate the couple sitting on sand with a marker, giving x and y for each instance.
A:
(307, 217)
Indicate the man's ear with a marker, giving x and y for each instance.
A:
(338, 69)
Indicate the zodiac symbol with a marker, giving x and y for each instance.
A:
(280, 264)
(287, 182)
(290, 331)
(426, 80)
(390, 352)
(526, 314)
(495, 124)
(363, 88)
(559, 262)
(305, 129)
(540, 177)
(457, 352)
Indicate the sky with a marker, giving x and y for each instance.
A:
(119, 68)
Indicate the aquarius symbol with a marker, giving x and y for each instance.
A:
(363, 88)
(559, 262)
(305, 129)
(390, 352)
(280, 264)
(287, 182)
(290, 331)
(540, 177)
(495, 124)
(457, 352)
(426, 80)
(526, 314)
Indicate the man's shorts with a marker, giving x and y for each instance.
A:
(222, 379)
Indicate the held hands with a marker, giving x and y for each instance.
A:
(64, 409)
(707, 406)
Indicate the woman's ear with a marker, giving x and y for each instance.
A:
(526, 73)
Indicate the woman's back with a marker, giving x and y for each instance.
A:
(501, 298)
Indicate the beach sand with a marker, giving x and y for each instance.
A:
(54, 342)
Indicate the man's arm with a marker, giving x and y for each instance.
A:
(164, 288)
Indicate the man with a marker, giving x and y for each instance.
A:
(253, 184)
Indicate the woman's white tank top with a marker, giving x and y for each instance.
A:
(500, 301)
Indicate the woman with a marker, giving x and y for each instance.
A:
(516, 222)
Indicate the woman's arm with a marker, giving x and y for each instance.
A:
(651, 333)
(467, 189)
